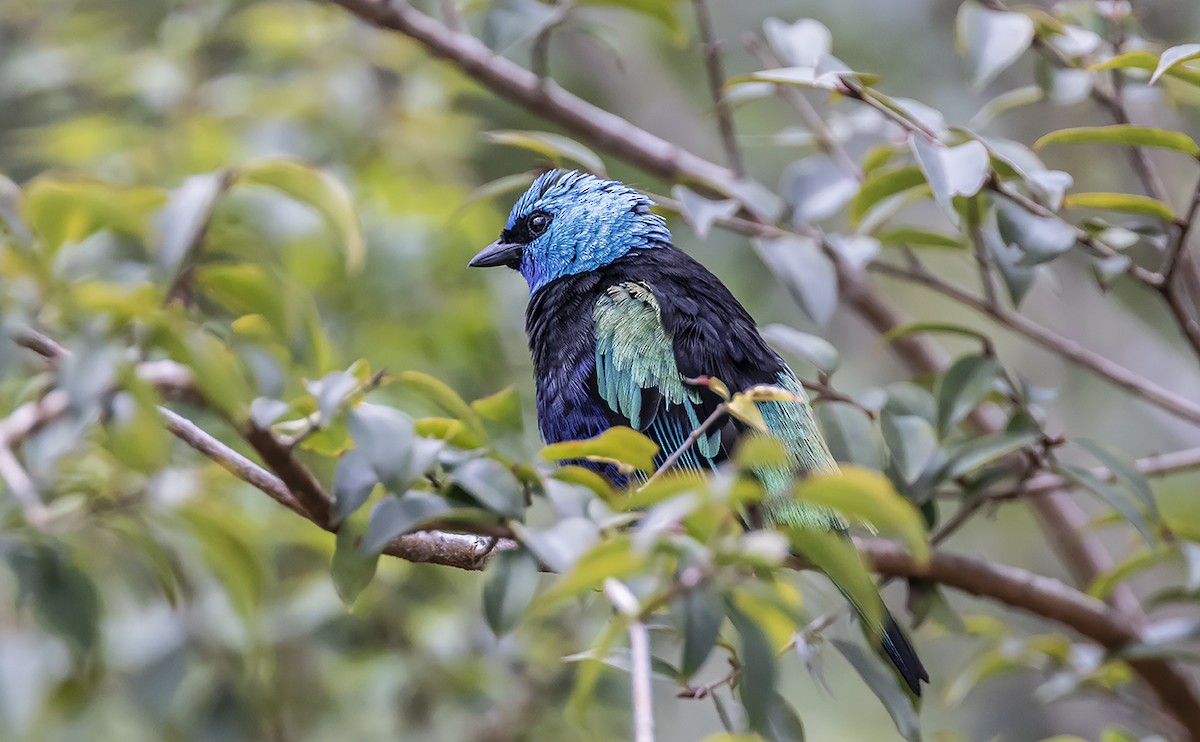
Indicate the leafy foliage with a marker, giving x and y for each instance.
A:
(281, 200)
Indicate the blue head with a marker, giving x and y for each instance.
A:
(569, 223)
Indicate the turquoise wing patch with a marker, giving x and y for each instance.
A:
(637, 375)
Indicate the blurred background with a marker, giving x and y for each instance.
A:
(239, 634)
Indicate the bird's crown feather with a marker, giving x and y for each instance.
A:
(583, 222)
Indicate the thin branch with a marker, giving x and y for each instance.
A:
(180, 288)
(639, 674)
(716, 87)
(504, 77)
(981, 256)
(298, 479)
(1069, 349)
(688, 442)
(1177, 248)
(21, 486)
(816, 125)
(1051, 599)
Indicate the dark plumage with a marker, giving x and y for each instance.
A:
(618, 320)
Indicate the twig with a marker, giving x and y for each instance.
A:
(981, 257)
(639, 672)
(816, 125)
(694, 436)
(181, 282)
(716, 87)
(21, 485)
(1069, 349)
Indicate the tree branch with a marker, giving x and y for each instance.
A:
(1067, 348)
(716, 88)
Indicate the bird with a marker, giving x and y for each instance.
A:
(622, 326)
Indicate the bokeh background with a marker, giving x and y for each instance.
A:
(249, 639)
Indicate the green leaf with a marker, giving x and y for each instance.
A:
(1011, 259)
(799, 44)
(616, 444)
(63, 597)
(1144, 60)
(554, 147)
(1125, 472)
(1127, 202)
(396, 516)
(561, 545)
(61, 210)
(880, 185)
(952, 171)
(835, 556)
(984, 449)
(806, 77)
(756, 686)
(1174, 56)
(1104, 583)
(353, 480)
(806, 272)
(783, 723)
(318, 189)
(185, 217)
(898, 702)
(511, 581)
(385, 436)
(1017, 97)
(1041, 238)
(868, 496)
(992, 40)
(1124, 134)
(817, 188)
(330, 391)
(815, 349)
(440, 393)
(503, 408)
(922, 327)
(1111, 495)
(245, 288)
(703, 612)
(917, 237)
(352, 569)
(912, 441)
(701, 212)
(962, 387)
(492, 485)
(614, 558)
(665, 12)
(849, 434)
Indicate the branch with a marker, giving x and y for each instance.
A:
(688, 442)
(639, 673)
(816, 126)
(544, 98)
(1069, 349)
(716, 87)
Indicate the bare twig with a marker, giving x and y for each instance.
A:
(21, 486)
(688, 442)
(180, 287)
(816, 125)
(716, 87)
(1069, 349)
(639, 673)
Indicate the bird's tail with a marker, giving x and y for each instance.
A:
(895, 645)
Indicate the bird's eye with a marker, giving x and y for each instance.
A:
(538, 222)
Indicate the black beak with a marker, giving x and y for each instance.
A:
(498, 253)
